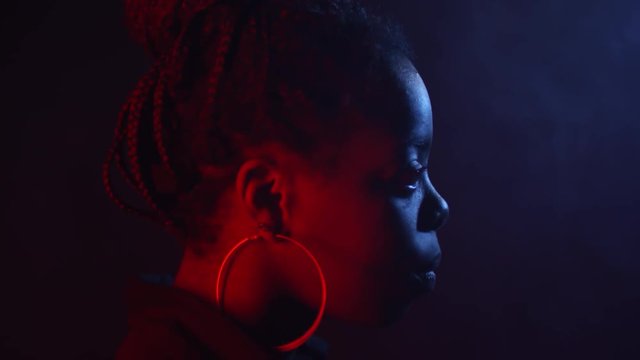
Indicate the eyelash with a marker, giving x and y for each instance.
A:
(413, 172)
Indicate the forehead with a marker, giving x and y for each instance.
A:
(404, 106)
(398, 117)
(401, 108)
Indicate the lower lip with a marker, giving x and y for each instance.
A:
(422, 282)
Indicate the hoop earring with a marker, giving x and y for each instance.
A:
(316, 322)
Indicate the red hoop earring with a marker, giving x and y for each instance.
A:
(307, 334)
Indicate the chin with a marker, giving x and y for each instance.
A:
(383, 316)
(392, 316)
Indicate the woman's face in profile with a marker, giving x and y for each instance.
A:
(372, 222)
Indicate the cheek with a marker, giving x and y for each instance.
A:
(402, 216)
(356, 234)
(345, 222)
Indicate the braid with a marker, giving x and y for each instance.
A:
(218, 64)
(118, 154)
(113, 153)
(129, 120)
(106, 165)
(139, 101)
(158, 106)
(166, 128)
(152, 88)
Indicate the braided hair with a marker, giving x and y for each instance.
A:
(228, 75)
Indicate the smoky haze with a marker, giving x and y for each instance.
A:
(536, 148)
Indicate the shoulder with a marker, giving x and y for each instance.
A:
(154, 327)
(159, 340)
(166, 322)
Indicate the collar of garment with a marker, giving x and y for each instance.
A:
(153, 298)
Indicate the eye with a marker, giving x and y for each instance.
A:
(410, 177)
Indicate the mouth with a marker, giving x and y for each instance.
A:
(422, 282)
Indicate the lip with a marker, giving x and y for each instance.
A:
(422, 282)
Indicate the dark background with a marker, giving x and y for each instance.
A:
(537, 141)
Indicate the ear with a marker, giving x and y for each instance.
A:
(260, 187)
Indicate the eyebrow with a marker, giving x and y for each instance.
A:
(418, 141)
(421, 144)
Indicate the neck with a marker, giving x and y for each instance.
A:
(258, 293)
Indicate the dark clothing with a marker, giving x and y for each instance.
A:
(169, 323)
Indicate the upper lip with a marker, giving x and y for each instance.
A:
(431, 265)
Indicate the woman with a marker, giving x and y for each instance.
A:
(285, 145)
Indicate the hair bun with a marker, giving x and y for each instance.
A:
(156, 24)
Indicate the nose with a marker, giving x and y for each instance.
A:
(434, 210)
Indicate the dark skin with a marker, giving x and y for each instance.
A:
(370, 224)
